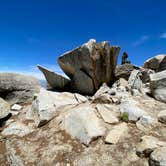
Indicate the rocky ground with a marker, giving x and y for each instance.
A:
(124, 124)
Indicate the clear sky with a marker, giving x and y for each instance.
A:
(38, 31)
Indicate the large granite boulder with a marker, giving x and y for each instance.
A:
(158, 85)
(157, 63)
(124, 71)
(54, 80)
(90, 65)
(17, 88)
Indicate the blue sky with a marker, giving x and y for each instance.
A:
(38, 31)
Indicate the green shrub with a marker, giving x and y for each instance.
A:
(125, 117)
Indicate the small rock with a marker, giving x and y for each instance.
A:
(162, 116)
(116, 133)
(158, 157)
(146, 123)
(107, 115)
(16, 107)
(147, 145)
(17, 128)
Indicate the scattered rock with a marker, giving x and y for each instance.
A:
(116, 133)
(82, 123)
(147, 145)
(4, 108)
(162, 116)
(158, 157)
(124, 71)
(157, 63)
(134, 112)
(17, 88)
(91, 64)
(17, 128)
(16, 107)
(46, 106)
(158, 85)
(54, 80)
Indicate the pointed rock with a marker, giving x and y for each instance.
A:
(56, 81)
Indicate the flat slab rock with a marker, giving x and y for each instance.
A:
(116, 133)
(82, 123)
(17, 128)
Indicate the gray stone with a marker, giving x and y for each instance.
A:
(4, 108)
(17, 128)
(158, 157)
(162, 116)
(47, 105)
(124, 71)
(134, 112)
(135, 81)
(17, 88)
(91, 64)
(146, 123)
(54, 80)
(82, 123)
(158, 85)
(116, 133)
(157, 63)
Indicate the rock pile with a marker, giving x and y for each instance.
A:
(121, 124)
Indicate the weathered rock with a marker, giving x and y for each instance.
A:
(17, 88)
(135, 81)
(146, 123)
(147, 145)
(157, 63)
(91, 65)
(145, 75)
(54, 80)
(124, 71)
(105, 95)
(16, 107)
(116, 133)
(134, 112)
(46, 106)
(158, 157)
(17, 128)
(82, 123)
(162, 116)
(158, 85)
(109, 116)
(4, 108)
